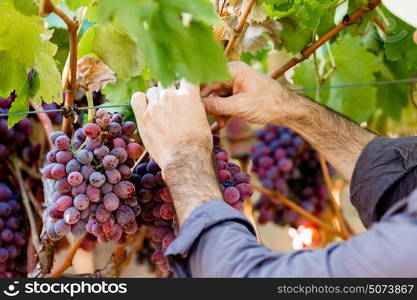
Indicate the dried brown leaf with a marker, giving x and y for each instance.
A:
(93, 72)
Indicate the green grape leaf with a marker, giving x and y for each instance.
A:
(124, 56)
(294, 38)
(122, 90)
(305, 76)
(49, 77)
(12, 74)
(175, 37)
(74, 4)
(21, 103)
(26, 7)
(354, 64)
(399, 43)
(20, 34)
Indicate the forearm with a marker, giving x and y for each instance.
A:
(191, 180)
(337, 138)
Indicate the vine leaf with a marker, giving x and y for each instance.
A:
(175, 37)
(95, 73)
(124, 56)
(12, 74)
(357, 103)
(122, 90)
(21, 103)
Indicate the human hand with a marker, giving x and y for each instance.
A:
(253, 96)
(174, 129)
(172, 122)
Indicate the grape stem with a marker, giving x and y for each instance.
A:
(67, 263)
(70, 83)
(140, 159)
(277, 197)
(26, 204)
(90, 102)
(347, 21)
(137, 246)
(308, 51)
(239, 28)
(44, 120)
(337, 210)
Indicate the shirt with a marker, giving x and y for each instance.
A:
(218, 241)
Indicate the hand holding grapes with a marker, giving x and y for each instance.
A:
(250, 95)
(174, 129)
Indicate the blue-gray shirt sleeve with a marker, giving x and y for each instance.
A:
(217, 241)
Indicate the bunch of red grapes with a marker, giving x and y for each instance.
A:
(91, 173)
(158, 211)
(287, 164)
(15, 138)
(13, 239)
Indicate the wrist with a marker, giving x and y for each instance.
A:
(191, 180)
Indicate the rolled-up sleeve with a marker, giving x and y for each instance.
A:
(385, 173)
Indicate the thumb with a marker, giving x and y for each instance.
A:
(226, 106)
(139, 104)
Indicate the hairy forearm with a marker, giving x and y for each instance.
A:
(191, 180)
(337, 138)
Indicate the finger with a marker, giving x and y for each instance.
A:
(221, 105)
(188, 88)
(209, 88)
(139, 104)
(162, 88)
(152, 95)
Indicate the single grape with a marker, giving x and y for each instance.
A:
(93, 193)
(64, 156)
(111, 201)
(141, 169)
(63, 203)
(6, 235)
(245, 190)
(52, 234)
(62, 186)
(93, 143)
(5, 192)
(231, 195)
(58, 171)
(97, 179)
(51, 156)
(113, 176)
(168, 239)
(165, 195)
(78, 229)
(54, 135)
(285, 165)
(102, 214)
(91, 130)
(120, 153)
(134, 150)
(63, 143)
(222, 156)
(158, 233)
(108, 225)
(106, 188)
(125, 171)
(19, 239)
(115, 129)
(81, 202)
(115, 234)
(241, 178)
(84, 156)
(61, 228)
(79, 135)
(79, 189)
(4, 255)
(102, 118)
(86, 171)
(13, 223)
(101, 151)
(223, 175)
(167, 211)
(85, 214)
(148, 181)
(72, 166)
(117, 117)
(124, 215)
(110, 162)
(152, 167)
(75, 178)
(124, 189)
(128, 128)
(53, 212)
(144, 196)
(71, 216)
(160, 179)
(118, 143)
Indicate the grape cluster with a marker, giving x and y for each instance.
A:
(92, 188)
(285, 163)
(13, 239)
(16, 137)
(158, 211)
